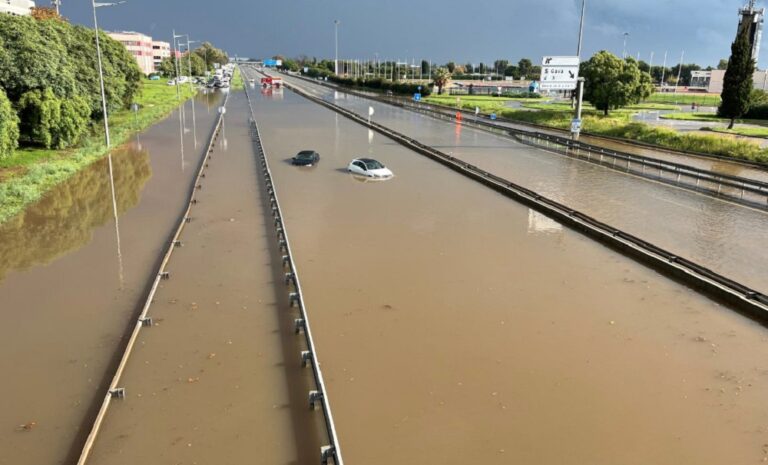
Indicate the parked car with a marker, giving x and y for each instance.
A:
(154, 77)
(369, 167)
(306, 158)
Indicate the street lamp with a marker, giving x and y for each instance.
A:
(336, 34)
(624, 52)
(191, 87)
(101, 70)
(576, 129)
(56, 4)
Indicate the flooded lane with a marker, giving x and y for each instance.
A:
(720, 235)
(69, 287)
(218, 378)
(457, 325)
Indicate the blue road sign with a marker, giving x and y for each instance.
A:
(416, 97)
(493, 116)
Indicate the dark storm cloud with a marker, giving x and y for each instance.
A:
(439, 30)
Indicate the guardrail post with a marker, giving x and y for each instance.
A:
(314, 397)
(326, 453)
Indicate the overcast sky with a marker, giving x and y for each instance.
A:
(462, 31)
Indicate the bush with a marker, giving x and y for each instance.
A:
(383, 85)
(9, 126)
(52, 122)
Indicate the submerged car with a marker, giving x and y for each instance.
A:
(369, 167)
(306, 158)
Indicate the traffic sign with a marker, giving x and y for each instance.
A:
(575, 126)
(416, 97)
(559, 73)
(493, 116)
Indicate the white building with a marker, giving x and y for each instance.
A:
(139, 45)
(160, 51)
(16, 7)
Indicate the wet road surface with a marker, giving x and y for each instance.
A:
(459, 326)
(723, 236)
(218, 378)
(68, 291)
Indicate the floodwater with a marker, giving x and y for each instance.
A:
(707, 163)
(71, 277)
(218, 379)
(720, 235)
(457, 326)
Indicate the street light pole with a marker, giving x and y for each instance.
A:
(576, 130)
(336, 34)
(192, 88)
(95, 5)
(624, 52)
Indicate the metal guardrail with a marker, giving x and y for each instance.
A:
(309, 356)
(399, 101)
(749, 301)
(114, 391)
(738, 189)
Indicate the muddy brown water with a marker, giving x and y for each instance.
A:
(67, 291)
(458, 326)
(723, 236)
(218, 378)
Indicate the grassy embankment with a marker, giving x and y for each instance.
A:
(618, 124)
(30, 172)
(237, 80)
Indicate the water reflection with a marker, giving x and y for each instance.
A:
(62, 221)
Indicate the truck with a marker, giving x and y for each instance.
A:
(271, 81)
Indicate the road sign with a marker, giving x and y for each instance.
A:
(559, 73)
(493, 116)
(416, 97)
(575, 126)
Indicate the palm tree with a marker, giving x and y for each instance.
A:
(441, 78)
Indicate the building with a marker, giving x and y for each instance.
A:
(751, 18)
(160, 51)
(140, 46)
(712, 81)
(16, 7)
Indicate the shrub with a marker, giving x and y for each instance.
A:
(9, 126)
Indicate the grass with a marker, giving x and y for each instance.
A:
(619, 124)
(28, 174)
(683, 99)
(749, 132)
(237, 80)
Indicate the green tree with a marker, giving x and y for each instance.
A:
(451, 66)
(440, 77)
(525, 68)
(611, 82)
(9, 127)
(723, 64)
(737, 85)
(211, 55)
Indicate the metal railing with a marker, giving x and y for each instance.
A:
(296, 297)
(740, 296)
(143, 320)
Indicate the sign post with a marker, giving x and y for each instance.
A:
(559, 73)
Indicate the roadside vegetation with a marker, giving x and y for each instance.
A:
(32, 171)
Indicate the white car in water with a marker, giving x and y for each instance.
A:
(369, 168)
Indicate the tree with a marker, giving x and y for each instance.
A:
(9, 126)
(737, 84)
(441, 76)
(611, 82)
(211, 55)
(525, 68)
(723, 64)
(424, 67)
(42, 13)
(451, 66)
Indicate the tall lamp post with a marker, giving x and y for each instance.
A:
(336, 35)
(580, 98)
(624, 51)
(192, 87)
(101, 69)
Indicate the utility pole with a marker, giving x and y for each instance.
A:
(580, 83)
(663, 70)
(56, 4)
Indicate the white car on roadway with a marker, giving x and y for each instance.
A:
(369, 167)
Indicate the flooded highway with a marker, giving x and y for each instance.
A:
(71, 277)
(715, 233)
(722, 166)
(457, 325)
(218, 378)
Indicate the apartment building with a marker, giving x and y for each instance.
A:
(140, 46)
(160, 51)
